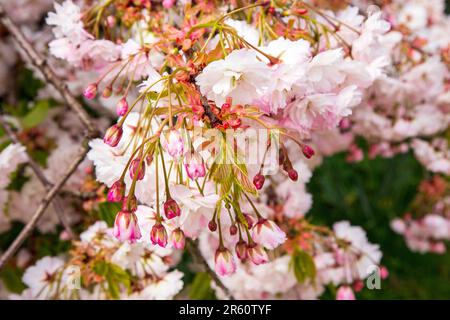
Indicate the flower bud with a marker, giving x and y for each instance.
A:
(194, 165)
(137, 169)
(212, 226)
(257, 254)
(171, 209)
(258, 181)
(233, 229)
(241, 250)
(345, 293)
(126, 227)
(91, 91)
(308, 152)
(174, 144)
(113, 135)
(158, 235)
(293, 174)
(107, 92)
(122, 107)
(177, 239)
(250, 220)
(224, 262)
(268, 234)
(131, 204)
(116, 192)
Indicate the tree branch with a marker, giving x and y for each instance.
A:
(26, 231)
(193, 248)
(57, 204)
(41, 63)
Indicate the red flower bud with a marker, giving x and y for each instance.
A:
(116, 192)
(158, 235)
(233, 229)
(293, 175)
(137, 169)
(113, 135)
(212, 225)
(308, 152)
(171, 209)
(258, 181)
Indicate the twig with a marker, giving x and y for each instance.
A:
(40, 63)
(193, 248)
(213, 119)
(57, 204)
(26, 231)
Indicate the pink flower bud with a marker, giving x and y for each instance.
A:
(122, 107)
(293, 175)
(308, 152)
(250, 220)
(194, 165)
(224, 262)
(241, 250)
(126, 227)
(91, 91)
(137, 169)
(233, 229)
(113, 135)
(258, 181)
(177, 239)
(158, 235)
(171, 209)
(129, 205)
(212, 226)
(345, 293)
(257, 254)
(174, 144)
(268, 234)
(116, 192)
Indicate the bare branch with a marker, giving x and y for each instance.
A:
(41, 63)
(193, 248)
(26, 231)
(57, 204)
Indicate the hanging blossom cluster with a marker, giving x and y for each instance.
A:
(215, 115)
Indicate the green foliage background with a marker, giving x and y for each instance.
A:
(370, 194)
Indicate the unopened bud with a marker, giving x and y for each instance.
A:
(258, 181)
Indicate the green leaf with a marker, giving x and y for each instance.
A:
(200, 289)
(114, 276)
(303, 265)
(107, 212)
(12, 279)
(37, 115)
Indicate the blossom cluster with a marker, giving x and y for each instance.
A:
(214, 117)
